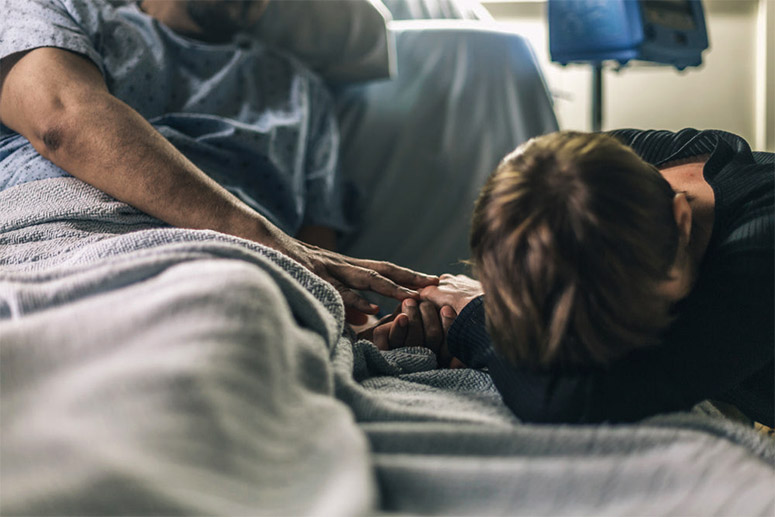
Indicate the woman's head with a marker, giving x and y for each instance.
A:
(571, 237)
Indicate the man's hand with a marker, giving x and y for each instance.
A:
(347, 274)
(59, 101)
(416, 324)
(319, 239)
(453, 290)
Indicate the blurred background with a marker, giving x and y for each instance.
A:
(733, 89)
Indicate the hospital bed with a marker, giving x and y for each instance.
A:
(154, 370)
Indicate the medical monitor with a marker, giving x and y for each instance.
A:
(669, 32)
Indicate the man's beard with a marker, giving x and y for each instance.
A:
(219, 21)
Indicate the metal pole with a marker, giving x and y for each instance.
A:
(597, 97)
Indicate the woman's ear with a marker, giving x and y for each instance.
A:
(683, 217)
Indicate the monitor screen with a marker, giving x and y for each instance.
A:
(674, 14)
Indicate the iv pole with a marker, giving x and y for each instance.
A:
(597, 97)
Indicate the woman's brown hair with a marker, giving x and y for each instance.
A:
(570, 237)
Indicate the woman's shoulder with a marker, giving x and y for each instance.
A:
(745, 208)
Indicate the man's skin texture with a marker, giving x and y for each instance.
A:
(58, 100)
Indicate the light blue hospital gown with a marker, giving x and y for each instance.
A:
(252, 118)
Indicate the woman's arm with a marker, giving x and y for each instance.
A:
(723, 337)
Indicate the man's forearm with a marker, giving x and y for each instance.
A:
(59, 101)
(107, 144)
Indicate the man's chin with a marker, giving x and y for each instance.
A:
(216, 24)
(215, 37)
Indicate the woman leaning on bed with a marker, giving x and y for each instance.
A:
(620, 284)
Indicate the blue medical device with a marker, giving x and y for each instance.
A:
(670, 32)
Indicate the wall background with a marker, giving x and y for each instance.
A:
(734, 88)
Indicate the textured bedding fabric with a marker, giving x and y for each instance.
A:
(155, 370)
(163, 371)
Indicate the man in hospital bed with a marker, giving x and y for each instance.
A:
(163, 106)
(622, 275)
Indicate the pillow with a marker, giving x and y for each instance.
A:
(419, 147)
(437, 9)
(342, 40)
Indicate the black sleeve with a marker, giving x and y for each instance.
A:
(724, 335)
(726, 331)
(713, 347)
(468, 339)
(659, 146)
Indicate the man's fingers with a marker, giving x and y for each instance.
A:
(448, 316)
(398, 331)
(355, 317)
(456, 363)
(431, 322)
(414, 335)
(358, 277)
(381, 335)
(398, 274)
(352, 300)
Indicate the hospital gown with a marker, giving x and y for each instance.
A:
(251, 117)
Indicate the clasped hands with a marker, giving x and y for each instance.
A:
(429, 304)
(426, 322)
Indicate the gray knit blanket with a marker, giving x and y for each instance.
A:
(154, 370)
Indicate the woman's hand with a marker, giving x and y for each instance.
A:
(453, 290)
(347, 274)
